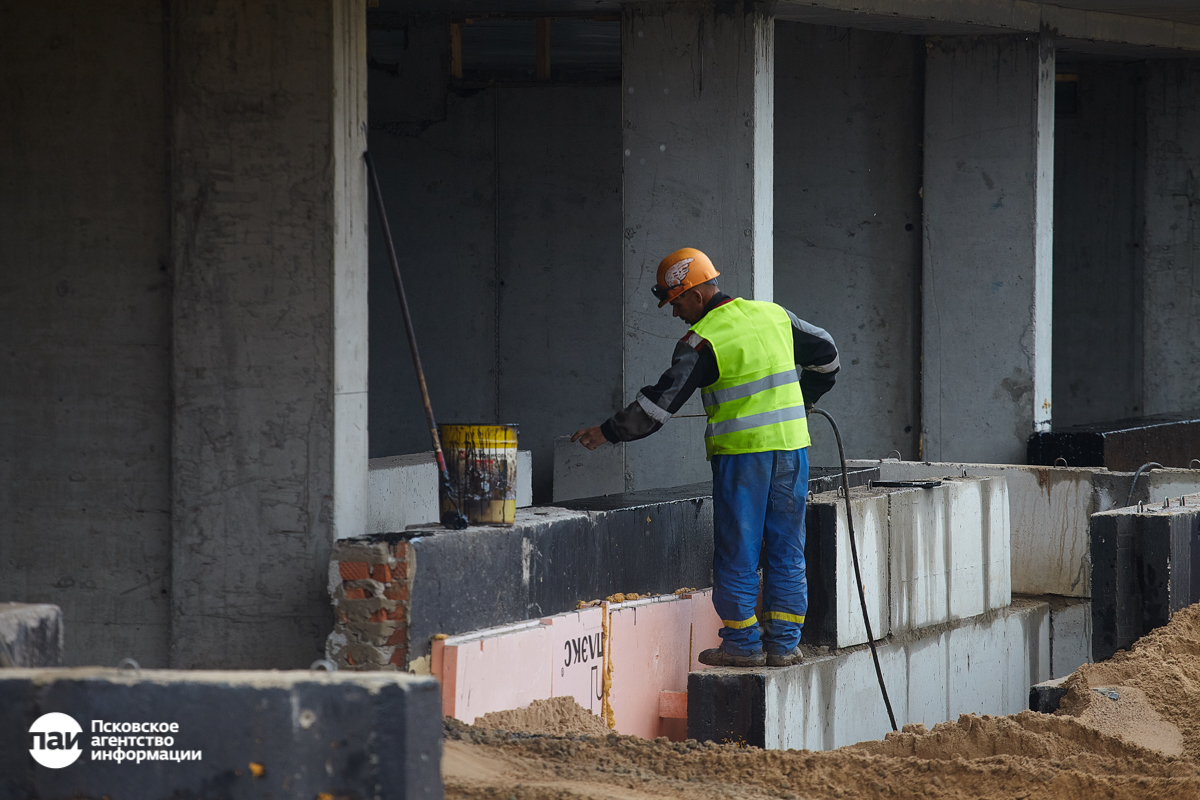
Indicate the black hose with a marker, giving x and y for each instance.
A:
(1138, 474)
(862, 596)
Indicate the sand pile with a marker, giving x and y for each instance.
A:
(1143, 745)
(1163, 668)
(557, 716)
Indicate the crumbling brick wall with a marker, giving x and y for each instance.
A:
(370, 583)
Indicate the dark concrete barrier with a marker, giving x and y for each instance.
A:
(231, 735)
(1122, 445)
(395, 591)
(30, 635)
(1142, 571)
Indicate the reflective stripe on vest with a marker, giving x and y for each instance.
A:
(756, 404)
(715, 398)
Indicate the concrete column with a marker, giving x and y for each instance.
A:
(85, 322)
(697, 85)
(269, 437)
(1171, 243)
(987, 290)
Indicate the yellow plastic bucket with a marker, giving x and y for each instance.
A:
(482, 462)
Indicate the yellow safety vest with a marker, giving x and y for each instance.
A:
(756, 405)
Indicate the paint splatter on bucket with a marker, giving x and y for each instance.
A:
(482, 462)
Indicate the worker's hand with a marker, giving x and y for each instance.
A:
(591, 438)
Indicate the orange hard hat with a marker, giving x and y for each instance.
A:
(680, 271)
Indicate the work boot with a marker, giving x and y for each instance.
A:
(785, 659)
(716, 657)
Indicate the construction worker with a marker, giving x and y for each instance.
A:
(743, 355)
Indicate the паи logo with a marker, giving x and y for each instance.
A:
(55, 740)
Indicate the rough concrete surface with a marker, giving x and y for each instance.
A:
(258, 734)
(979, 665)
(1070, 635)
(1141, 571)
(579, 472)
(1171, 243)
(1097, 240)
(85, 319)
(268, 366)
(697, 121)
(1050, 510)
(989, 138)
(30, 635)
(927, 557)
(848, 116)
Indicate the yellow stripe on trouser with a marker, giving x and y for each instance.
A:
(746, 623)
(796, 618)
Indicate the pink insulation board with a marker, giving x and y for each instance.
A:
(654, 644)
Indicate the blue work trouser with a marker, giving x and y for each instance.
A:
(758, 501)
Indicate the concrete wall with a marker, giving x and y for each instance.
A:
(848, 135)
(85, 316)
(1097, 245)
(269, 436)
(986, 320)
(1172, 237)
(697, 122)
(505, 205)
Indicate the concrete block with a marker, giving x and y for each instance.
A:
(1070, 635)
(651, 542)
(30, 635)
(1048, 511)
(254, 734)
(834, 611)
(1122, 445)
(982, 665)
(579, 472)
(949, 552)
(1044, 697)
(927, 556)
(403, 490)
(1141, 571)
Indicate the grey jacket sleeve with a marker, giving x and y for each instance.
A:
(817, 357)
(692, 365)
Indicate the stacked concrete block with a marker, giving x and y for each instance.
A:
(369, 581)
(949, 552)
(1121, 445)
(927, 556)
(980, 665)
(834, 614)
(1141, 571)
(441, 581)
(1070, 635)
(245, 734)
(1050, 509)
(30, 635)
